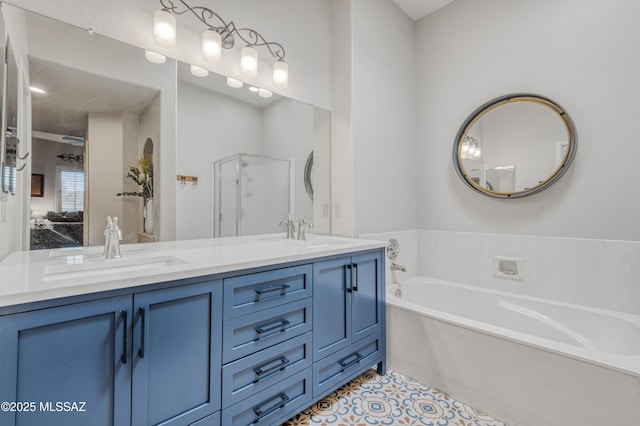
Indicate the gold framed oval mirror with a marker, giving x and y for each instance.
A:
(514, 146)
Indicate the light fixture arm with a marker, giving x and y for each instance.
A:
(226, 30)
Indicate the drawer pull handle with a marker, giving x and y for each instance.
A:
(283, 361)
(279, 324)
(123, 357)
(351, 363)
(349, 279)
(280, 287)
(354, 284)
(142, 313)
(282, 401)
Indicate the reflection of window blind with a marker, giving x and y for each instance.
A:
(9, 178)
(71, 190)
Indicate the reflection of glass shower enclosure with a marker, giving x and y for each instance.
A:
(252, 194)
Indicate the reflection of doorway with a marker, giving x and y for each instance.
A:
(115, 118)
(57, 193)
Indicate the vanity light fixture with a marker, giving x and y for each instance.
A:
(471, 148)
(198, 72)
(154, 57)
(218, 35)
(164, 28)
(232, 82)
(253, 89)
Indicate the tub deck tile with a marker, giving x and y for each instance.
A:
(390, 400)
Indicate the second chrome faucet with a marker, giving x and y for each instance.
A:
(291, 231)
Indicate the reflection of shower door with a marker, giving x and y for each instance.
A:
(252, 194)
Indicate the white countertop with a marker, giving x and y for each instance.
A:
(33, 276)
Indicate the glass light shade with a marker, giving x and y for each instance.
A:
(280, 74)
(198, 72)
(264, 93)
(211, 46)
(249, 61)
(154, 57)
(253, 89)
(164, 29)
(232, 82)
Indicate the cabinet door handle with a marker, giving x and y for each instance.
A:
(282, 400)
(278, 324)
(349, 279)
(263, 290)
(142, 312)
(262, 370)
(343, 362)
(354, 284)
(123, 357)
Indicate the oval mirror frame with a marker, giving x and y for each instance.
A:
(561, 168)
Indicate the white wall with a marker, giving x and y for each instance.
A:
(384, 118)
(288, 133)
(579, 239)
(579, 55)
(210, 127)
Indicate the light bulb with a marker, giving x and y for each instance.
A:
(198, 72)
(254, 89)
(264, 93)
(232, 82)
(249, 61)
(211, 46)
(164, 29)
(154, 57)
(280, 74)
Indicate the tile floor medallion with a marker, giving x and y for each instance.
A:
(392, 400)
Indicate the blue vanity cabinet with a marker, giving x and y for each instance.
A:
(145, 358)
(176, 354)
(64, 355)
(348, 319)
(348, 301)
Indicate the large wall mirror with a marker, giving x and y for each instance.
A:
(100, 103)
(514, 146)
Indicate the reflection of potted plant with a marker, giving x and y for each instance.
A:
(142, 174)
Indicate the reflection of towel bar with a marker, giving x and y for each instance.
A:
(184, 179)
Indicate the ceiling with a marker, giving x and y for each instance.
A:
(417, 9)
(72, 95)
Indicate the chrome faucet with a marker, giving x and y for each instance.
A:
(290, 227)
(301, 227)
(112, 235)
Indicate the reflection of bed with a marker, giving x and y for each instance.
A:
(56, 230)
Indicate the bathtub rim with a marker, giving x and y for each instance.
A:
(627, 364)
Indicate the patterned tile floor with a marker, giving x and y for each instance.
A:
(390, 400)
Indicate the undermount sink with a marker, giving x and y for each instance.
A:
(89, 252)
(108, 266)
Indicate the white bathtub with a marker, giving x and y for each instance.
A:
(524, 360)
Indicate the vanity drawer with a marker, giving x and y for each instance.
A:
(247, 294)
(212, 420)
(345, 365)
(250, 333)
(273, 405)
(254, 373)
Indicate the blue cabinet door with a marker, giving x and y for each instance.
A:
(177, 339)
(331, 306)
(69, 365)
(367, 289)
(348, 302)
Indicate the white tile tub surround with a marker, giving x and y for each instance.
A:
(408, 257)
(598, 273)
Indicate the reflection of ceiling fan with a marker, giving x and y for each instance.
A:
(71, 140)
